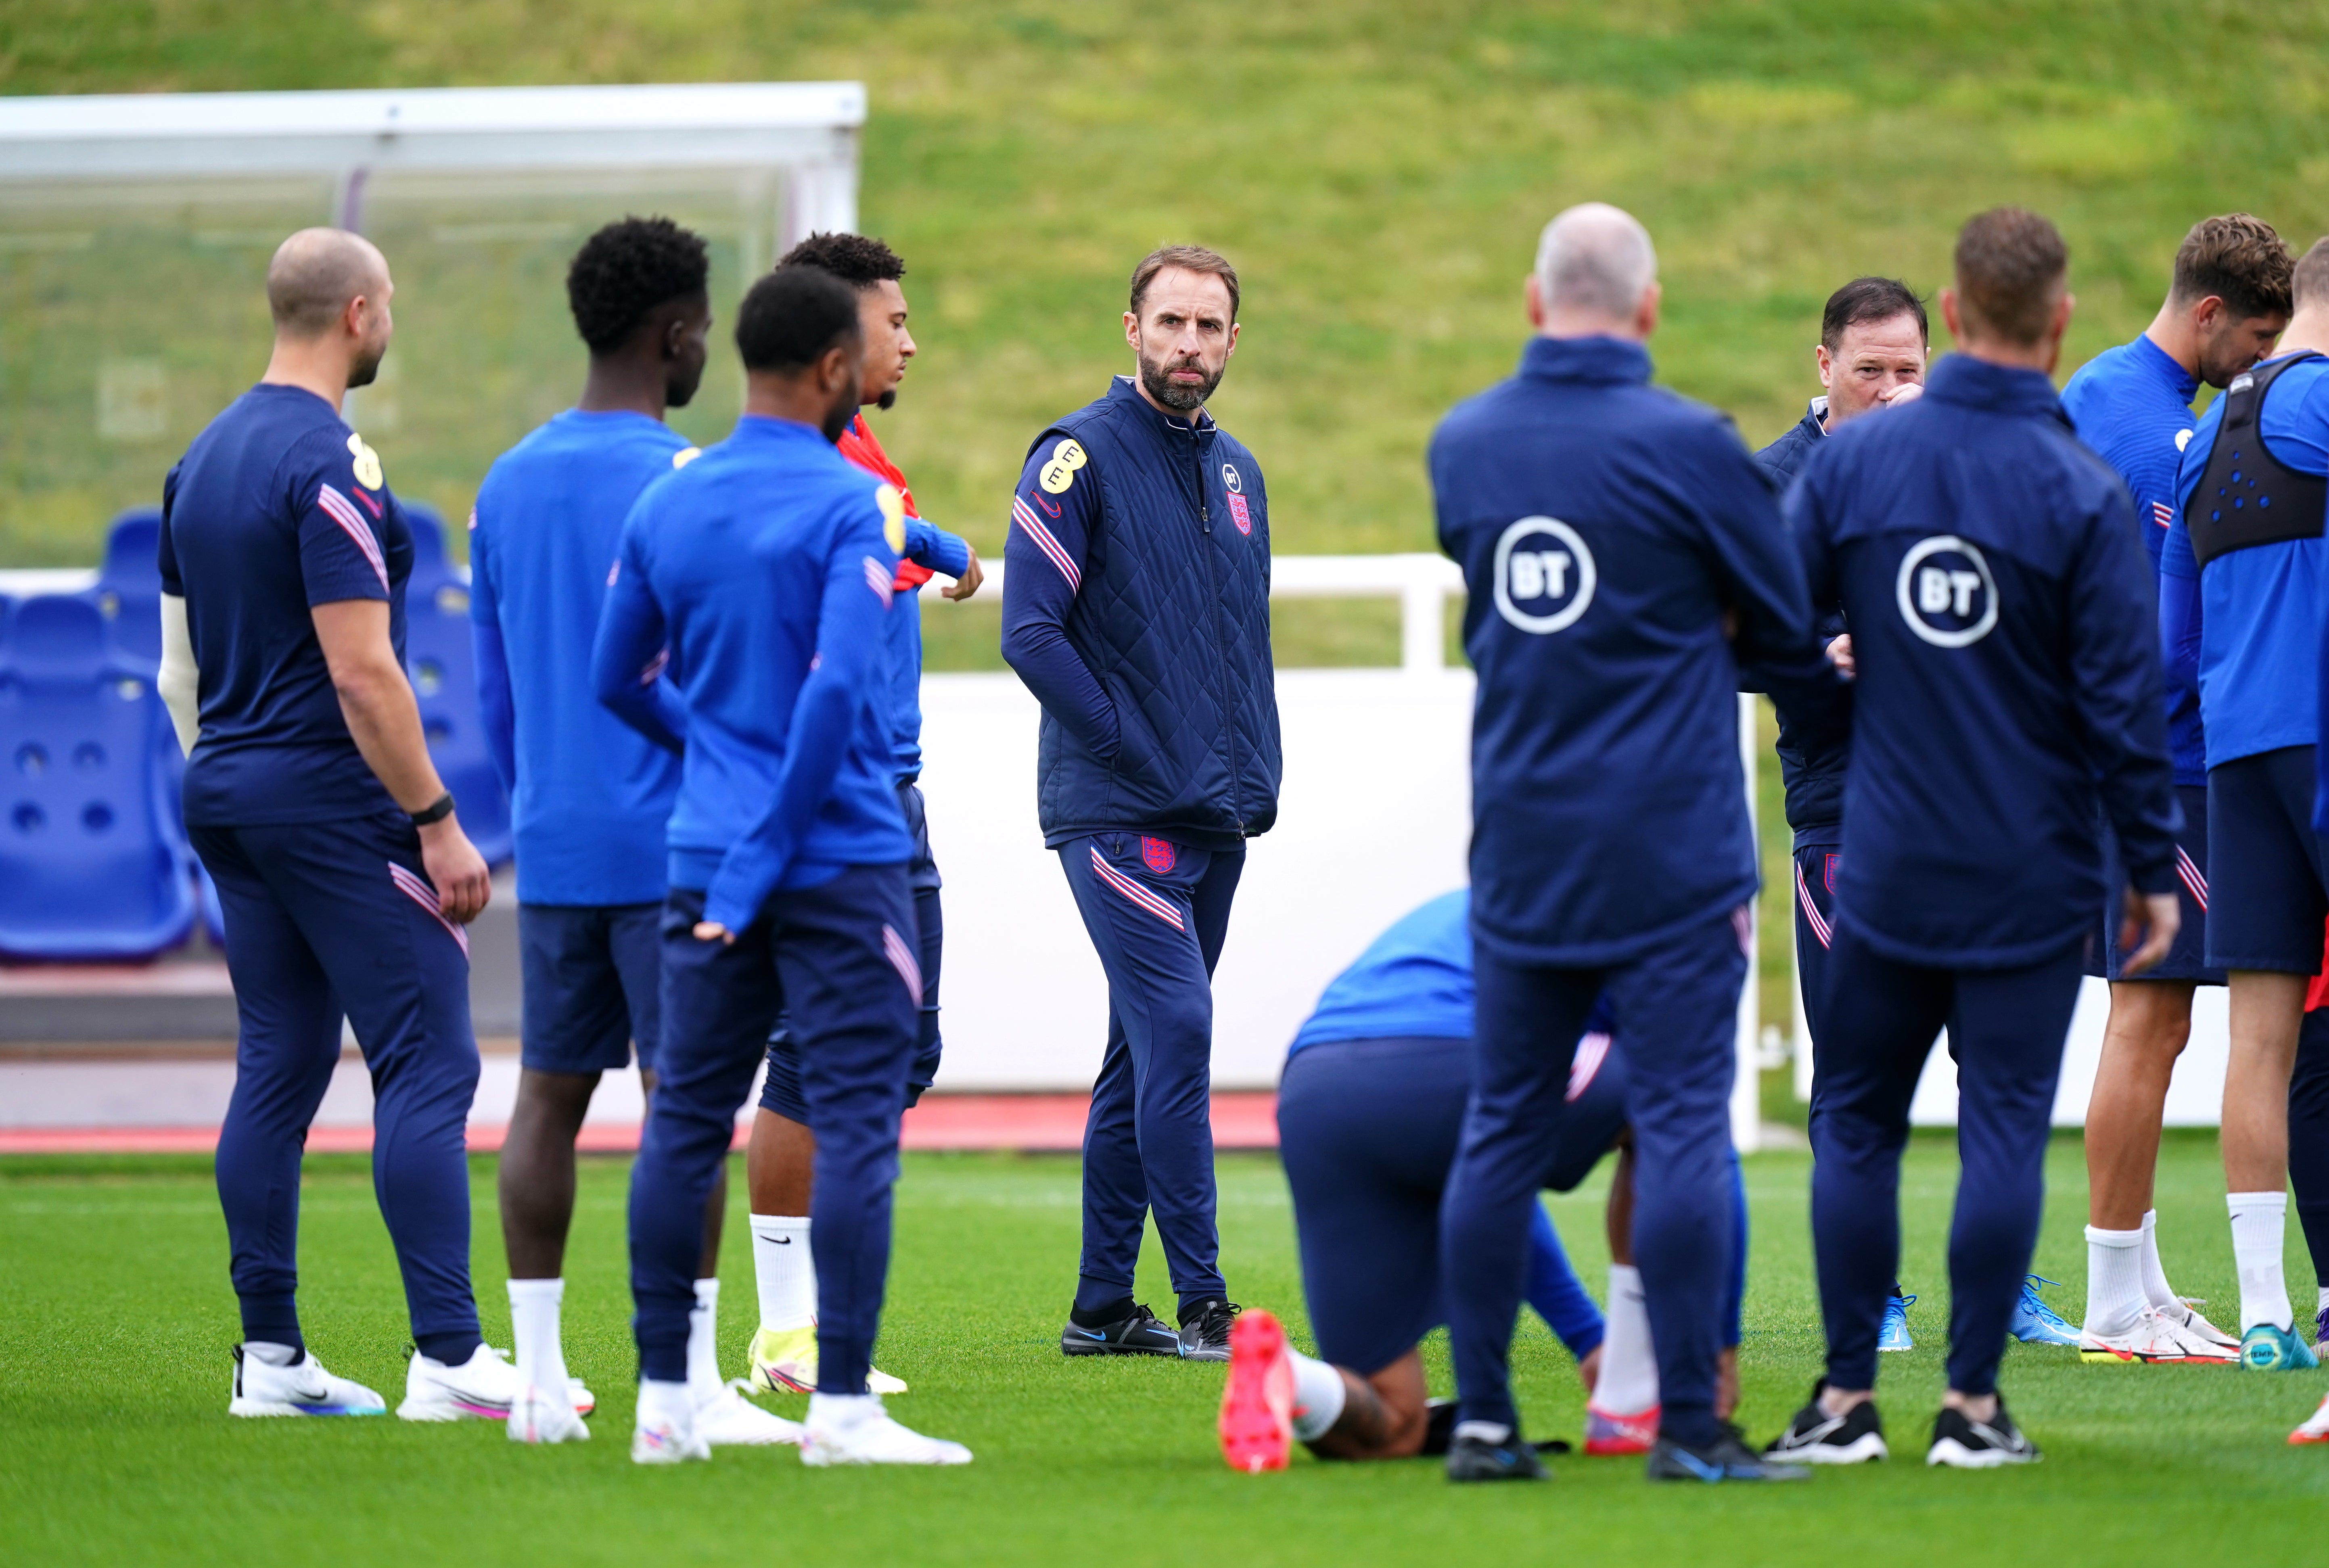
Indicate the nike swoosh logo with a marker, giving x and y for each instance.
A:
(779, 1241)
(1087, 1333)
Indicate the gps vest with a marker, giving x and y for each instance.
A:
(2247, 496)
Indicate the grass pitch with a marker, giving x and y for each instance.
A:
(115, 1320)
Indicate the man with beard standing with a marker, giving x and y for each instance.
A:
(1137, 611)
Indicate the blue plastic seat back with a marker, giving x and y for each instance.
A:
(128, 588)
(442, 660)
(92, 861)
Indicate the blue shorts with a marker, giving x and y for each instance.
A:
(780, 1091)
(1368, 1130)
(591, 980)
(2271, 892)
(2188, 958)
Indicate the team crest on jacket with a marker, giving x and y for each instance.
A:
(1156, 853)
(1238, 515)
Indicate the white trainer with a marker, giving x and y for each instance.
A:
(855, 1429)
(729, 1420)
(667, 1437)
(539, 1416)
(303, 1388)
(2155, 1337)
(482, 1388)
(2185, 1313)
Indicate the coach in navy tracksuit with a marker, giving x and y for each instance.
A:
(757, 577)
(342, 870)
(2008, 679)
(1609, 532)
(1137, 608)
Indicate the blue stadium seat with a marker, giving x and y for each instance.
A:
(128, 588)
(443, 664)
(93, 865)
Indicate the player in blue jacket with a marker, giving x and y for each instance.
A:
(589, 794)
(2240, 606)
(2132, 404)
(2007, 691)
(757, 578)
(1136, 610)
(341, 866)
(783, 1152)
(1368, 1114)
(1625, 560)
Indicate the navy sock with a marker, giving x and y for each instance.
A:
(1099, 1313)
(451, 1349)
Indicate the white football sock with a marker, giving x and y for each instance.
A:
(533, 1320)
(2259, 1222)
(785, 1271)
(2115, 1294)
(703, 1342)
(1319, 1393)
(2155, 1287)
(268, 1353)
(840, 1412)
(1628, 1383)
(669, 1404)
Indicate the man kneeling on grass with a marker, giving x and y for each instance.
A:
(1369, 1112)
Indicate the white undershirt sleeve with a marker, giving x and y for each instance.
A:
(179, 679)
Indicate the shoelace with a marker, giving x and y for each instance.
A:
(1213, 1324)
(2036, 1304)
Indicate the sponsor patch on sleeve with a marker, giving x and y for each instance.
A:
(1061, 471)
(893, 517)
(366, 462)
(685, 456)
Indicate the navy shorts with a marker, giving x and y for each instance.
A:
(1367, 1129)
(2271, 891)
(2188, 958)
(591, 980)
(780, 1091)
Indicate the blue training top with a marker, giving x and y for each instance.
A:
(762, 569)
(278, 508)
(1605, 528)
(2249, 628)
(2132, 404)
(2001, 617)
(589, 795)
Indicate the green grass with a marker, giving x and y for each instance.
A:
(114, 1319)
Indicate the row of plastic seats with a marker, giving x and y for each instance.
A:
(94, 861)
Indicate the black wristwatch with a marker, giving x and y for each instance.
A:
(438, 812)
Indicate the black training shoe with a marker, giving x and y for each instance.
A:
(1139, 1332)
(1473, 1457)
(1438, 1428)
(1967, 1444)
(1726, 1458)
(1205, 1329)
(1818, 1438)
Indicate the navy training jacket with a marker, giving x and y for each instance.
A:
(1605, 526)
(2003, 620)
(1813, 774)
(1136, 606)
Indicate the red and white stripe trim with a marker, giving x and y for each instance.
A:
(901, 959)
(2163, 514)
(1592, 1049)
(1812, 916)
(1139, 895)
(343, 511)
(417, 890)
(1024, 516)
(2195, 882)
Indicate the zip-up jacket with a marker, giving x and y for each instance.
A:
(1136, 606)
(1813, 773)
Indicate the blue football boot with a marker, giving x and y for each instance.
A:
(2035, 1323)
(1893, 1334)
(2265, 1348)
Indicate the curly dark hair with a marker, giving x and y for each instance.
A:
(857, 260)
(627, 268)
(2239, 259)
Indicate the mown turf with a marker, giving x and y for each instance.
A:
(115, 1448)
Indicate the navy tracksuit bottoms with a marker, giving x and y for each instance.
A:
(328, 918)
(1677, 1009)
(839, 957)
(2006, 1029)
(1158, 913)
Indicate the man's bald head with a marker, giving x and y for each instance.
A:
(1595, 261)
(314, 276)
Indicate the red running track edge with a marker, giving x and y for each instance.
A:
(1033, 1123)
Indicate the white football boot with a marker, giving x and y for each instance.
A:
(2155, 1337)
(303, 1388)
(855, 1429)
(665, 1431)
(729, 1420)
(483, 1388)
(2185, 1315)
(539, 1417)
